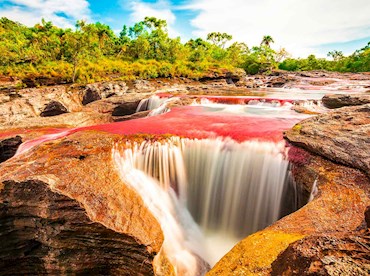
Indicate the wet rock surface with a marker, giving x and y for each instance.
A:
(45, 232)
(53, 108)
(337, 101)
(337, 211)
(329, 235)
(8, 147)
(342, 136)
(69, 187)
(346, 254)
(64, 209)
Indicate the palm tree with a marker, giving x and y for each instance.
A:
(267, 40)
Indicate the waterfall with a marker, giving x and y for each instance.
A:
(180, 246)
(156, 104)
(231, 189)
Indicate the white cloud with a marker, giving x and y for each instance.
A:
(63, 13)
(160, 9)
(298, 25)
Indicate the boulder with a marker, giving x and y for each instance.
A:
(340, 100)
(341, 136)
(8, 147)
(279, 81)
(90, 96)
(53, 108)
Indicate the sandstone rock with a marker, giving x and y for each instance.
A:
(236, 75)
(367, 216)
(127, 108)
(103, 90)
(277, 82)
(337, 101)
(90, 96)
(75, 119)
(53, 108)
(31, 102)
(64, 209)
(345, 254)
(341, 136)
(337, 210)
(32, 82)
(8, 147)
(46, 232)
(136, 115)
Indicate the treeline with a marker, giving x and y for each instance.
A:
(359, 61)
(93, 52)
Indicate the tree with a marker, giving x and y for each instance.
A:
(281, 55)
(219, 39)
(336, 55)
(266, 41)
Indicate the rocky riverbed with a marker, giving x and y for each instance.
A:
(64, 209)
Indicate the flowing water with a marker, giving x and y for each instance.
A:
(231, 189)
(227, 179)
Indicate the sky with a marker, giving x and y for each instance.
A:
(302, 27)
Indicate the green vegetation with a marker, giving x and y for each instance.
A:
(359, 61)
(93, 52)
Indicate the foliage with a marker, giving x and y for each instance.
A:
(93, 52)
(359, 61)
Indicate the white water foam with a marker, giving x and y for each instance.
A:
(231, 189)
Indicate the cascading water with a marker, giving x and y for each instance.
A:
(156, 104)
(181, 247)
(231, 189)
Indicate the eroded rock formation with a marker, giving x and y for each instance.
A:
(44, 231)
(341, 136)
(338, 100)
(64, 209)
(329, 235)
(8, 147)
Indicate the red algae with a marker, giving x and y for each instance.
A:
(191, 122)
(196, 122)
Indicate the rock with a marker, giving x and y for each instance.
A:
(336, 212)
(46, 232)
(235, 76)
(44, 81)
(142, 85)
(341, 136)
(90, 96)
(30, 103)
(136, 115)
(53, 108)
(8, 147)
(367, 216)
(64, 208)
(75, 119)
(277, 81)
(127, 108)
(345, 254)
(337, 101)
(97, 91)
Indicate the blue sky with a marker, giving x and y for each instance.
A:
(301, 26)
